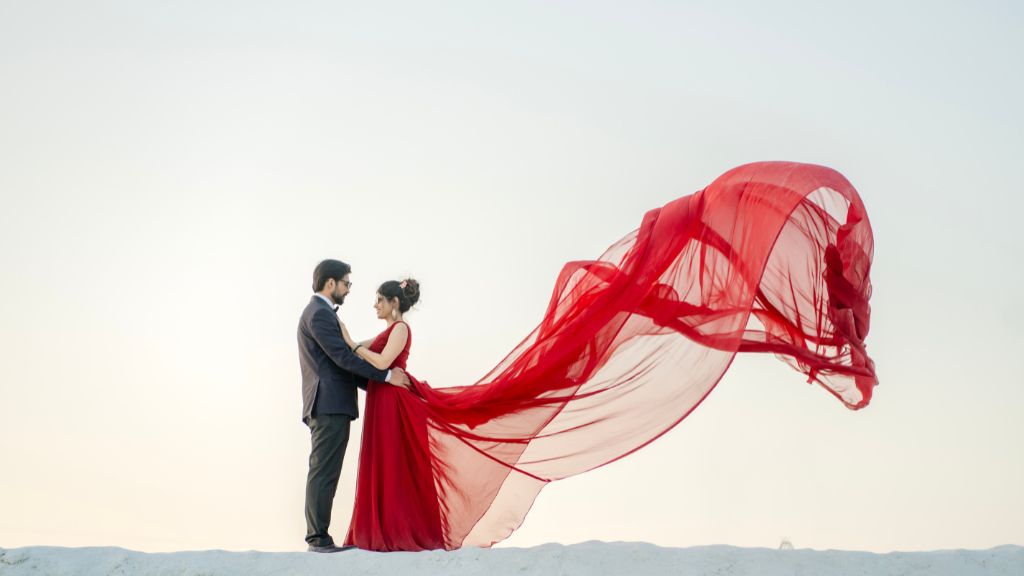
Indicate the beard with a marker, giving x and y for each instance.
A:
(339, 299)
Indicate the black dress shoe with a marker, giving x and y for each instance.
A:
(328, 549)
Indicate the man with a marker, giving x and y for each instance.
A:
(331, 372)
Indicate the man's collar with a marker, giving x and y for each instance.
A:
(329, 303)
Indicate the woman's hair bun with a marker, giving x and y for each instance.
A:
(411, 289)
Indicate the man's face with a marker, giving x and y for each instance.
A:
(341, 288)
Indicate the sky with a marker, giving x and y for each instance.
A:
(172, 172)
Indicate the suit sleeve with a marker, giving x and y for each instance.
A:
(361, 382)
(327, 334)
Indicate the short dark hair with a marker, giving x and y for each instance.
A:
(327, 270)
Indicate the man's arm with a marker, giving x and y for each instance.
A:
(327, 334)
(361, 383)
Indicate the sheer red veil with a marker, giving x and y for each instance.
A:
(771, 257)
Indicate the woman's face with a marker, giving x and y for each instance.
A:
(383, 306)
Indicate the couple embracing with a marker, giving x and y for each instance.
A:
(396, 505)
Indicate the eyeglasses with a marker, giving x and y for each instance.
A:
(347, 283)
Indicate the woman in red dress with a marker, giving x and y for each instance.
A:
(396, 505)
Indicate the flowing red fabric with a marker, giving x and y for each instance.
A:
(771, 257)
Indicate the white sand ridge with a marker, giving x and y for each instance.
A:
(588, 558)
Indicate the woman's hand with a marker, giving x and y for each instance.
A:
(344, 333)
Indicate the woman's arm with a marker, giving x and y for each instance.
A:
(344, 334)
(396, 343)
(327, 333)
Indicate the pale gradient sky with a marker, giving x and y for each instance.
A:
(171, 173)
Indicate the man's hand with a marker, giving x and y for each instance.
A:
(399, 378)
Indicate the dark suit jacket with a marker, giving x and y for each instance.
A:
(330, 370)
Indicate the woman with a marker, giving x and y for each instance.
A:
(396, 505)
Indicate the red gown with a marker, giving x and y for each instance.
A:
(396, 505)
(771, 257)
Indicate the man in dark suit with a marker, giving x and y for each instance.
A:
(331, 372)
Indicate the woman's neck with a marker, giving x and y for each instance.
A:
(394, 321)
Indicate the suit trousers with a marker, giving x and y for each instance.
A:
(329, 434)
